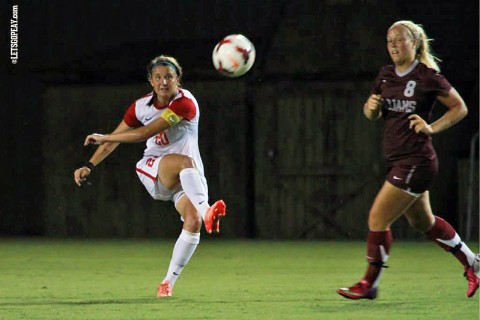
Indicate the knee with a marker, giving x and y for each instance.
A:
(193, 222)
(414, 224)
(373, 224)
(422, 224)
(376, 222)
(187, 162)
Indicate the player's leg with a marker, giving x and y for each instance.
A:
(420, 216)
(195, 186)
(184, 247)
(175, 169)
(178, 169)
(388, 206)
(476, 265)
(147, 170)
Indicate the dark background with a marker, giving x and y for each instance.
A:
(82, 63)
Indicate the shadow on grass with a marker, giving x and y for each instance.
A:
(152, 300)
(80, 302)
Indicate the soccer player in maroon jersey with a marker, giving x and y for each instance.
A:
(404, 94)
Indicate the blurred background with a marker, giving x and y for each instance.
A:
(286, 146)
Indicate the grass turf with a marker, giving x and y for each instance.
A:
(107, 279)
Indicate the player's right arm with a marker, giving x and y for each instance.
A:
(103, 151)
(372, 109)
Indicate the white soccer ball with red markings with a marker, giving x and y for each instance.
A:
(234, 55)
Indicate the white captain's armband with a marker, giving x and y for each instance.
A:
(170, 117)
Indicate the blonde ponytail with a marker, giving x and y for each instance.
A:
(418, 34)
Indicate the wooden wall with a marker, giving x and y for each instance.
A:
(464, 191)
(317, 160)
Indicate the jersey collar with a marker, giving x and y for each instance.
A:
(409, 69)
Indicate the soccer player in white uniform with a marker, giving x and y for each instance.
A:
(171, 167)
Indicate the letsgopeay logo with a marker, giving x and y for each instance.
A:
(14, 35)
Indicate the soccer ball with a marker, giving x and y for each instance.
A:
(233, 56)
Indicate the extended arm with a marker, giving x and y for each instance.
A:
(103, 151)
(135, 135)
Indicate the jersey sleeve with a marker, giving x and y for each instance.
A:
(130, 117)
(377, 83)
(438, 84)
(184, 108)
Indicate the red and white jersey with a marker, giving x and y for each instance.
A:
(181, 138)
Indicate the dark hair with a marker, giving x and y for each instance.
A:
(166, 61)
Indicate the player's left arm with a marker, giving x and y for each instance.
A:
(457, 110)
(167, 119)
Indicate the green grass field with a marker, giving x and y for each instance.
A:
(75, 279)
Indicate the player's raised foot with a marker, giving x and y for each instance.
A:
(472, 281)
(213, 215)
(360, 290)
(164, 289)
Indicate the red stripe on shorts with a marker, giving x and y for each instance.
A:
(145, 173)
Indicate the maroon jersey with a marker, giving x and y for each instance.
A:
(411, 92)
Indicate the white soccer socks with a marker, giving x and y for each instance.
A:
(195, 189)
(182, 252)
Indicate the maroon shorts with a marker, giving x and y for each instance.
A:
(411, 178)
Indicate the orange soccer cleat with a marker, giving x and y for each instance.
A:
(213, 215)
(164, 289)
